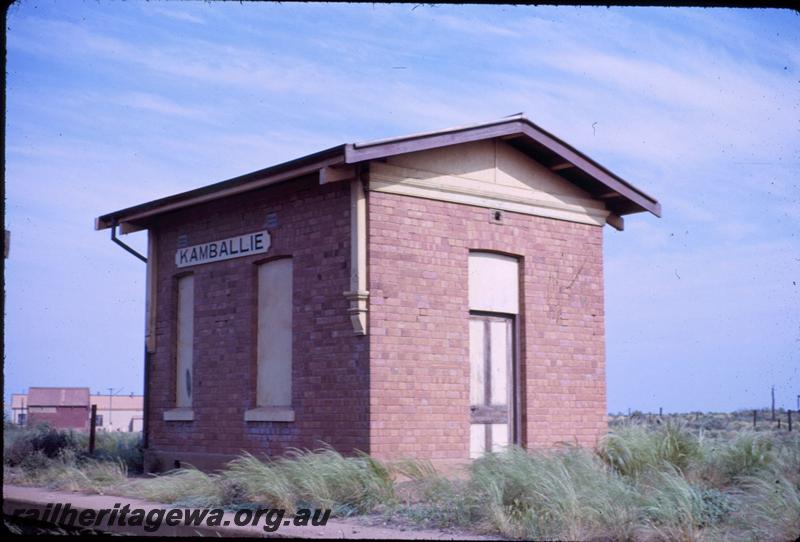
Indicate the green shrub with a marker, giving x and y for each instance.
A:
(34, 462)
(41, 438)
(118, 446)
(717, 506)
(21, 443)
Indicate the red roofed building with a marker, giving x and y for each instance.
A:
(65, 408)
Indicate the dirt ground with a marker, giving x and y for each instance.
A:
(374, 527)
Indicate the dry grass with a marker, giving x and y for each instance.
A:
(658, 481)
(67, 472)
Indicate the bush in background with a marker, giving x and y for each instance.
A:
(28, 445)
(41, 440)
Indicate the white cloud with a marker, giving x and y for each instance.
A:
(178, 15)
(159, 104)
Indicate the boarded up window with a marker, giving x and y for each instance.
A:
(185, 341)
(275, 333)
(493, 283)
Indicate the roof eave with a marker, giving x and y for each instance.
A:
(517, 125)
(633, 200)
(264, 177)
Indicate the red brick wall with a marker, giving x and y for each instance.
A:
(64, 417)
(413, 399)
(330, 366)
(419, 377)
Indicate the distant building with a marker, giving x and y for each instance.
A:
(66, 408)
(119, 412)
(70, 408)
(19, 408)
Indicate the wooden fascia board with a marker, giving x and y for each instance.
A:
(583, 163)
(355, 153)
(127, 220)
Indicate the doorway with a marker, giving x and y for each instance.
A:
(492, 393)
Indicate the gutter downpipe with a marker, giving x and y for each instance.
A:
(123, 245)
(145, 409)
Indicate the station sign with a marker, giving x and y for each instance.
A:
(224, 249)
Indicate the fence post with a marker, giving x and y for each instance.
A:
(754, 419)
(92, 427)
(790, 419)
(773, 402)
(660, 411)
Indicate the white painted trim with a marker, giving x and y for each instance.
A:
(333, 174)
(269, 414)
(358, 295)
(528, 206)
(179, 415)
(475, 183)
(493, 282)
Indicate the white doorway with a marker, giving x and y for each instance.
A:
(491, 354)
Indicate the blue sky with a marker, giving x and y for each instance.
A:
(110, 104)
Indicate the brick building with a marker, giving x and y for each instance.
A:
(64, 408)
(67, 408)
(435, 295)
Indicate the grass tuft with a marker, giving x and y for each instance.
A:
(567, 493)
(323, 478)
(634, 449)
(769, 507)
(185, 484)
(261, 482)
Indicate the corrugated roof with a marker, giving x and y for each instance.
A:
(58, 397)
